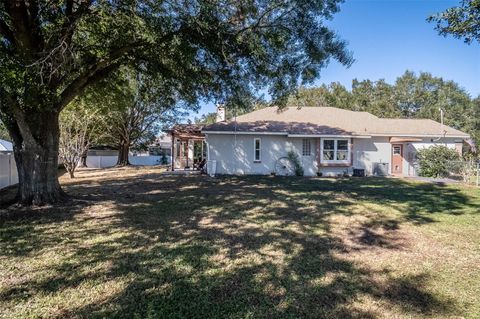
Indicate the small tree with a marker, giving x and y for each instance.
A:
(79, 128)
(435, 161)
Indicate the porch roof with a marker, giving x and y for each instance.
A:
(187, 131)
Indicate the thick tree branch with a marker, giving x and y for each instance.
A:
(96, 72)
(24, 22)
(6, 31)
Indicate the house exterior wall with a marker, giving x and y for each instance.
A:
(366, 152)
(235, 154)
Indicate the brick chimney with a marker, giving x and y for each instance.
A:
(220, 113)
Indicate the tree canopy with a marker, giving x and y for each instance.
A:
(462, 22)
(51, 51)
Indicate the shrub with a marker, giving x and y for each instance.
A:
(434, 161)
(296, 163)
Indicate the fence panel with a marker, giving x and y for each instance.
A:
(109, 161)
(145, 160)
(466, 171)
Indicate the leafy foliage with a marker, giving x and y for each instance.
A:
(52, 51)
(434, 161)
(4, 132)
(292, 156)
(462, 22)
(204, 48)
(135, 106)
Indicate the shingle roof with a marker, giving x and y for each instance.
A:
(329, 121)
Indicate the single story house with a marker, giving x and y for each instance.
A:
(327, 140)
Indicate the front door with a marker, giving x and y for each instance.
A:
(397, 159)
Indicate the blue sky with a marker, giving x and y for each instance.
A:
(388, 37)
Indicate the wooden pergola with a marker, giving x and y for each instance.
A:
(184, 139)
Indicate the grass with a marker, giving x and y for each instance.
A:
(139, 244)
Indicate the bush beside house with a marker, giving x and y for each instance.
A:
(435, 161)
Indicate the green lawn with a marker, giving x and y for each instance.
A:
(138, 244)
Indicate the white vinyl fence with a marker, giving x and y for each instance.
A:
(109, 161)
(8, 170)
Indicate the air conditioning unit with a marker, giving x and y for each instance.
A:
(380, 169)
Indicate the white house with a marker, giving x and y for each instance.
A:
(327, 140)
(5, 146)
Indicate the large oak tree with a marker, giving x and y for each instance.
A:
(50, 51)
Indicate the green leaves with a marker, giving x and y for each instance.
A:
(463, 22)
(436, 161)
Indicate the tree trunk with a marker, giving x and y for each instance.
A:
(83, 158)
(123, 154)
(35, 146)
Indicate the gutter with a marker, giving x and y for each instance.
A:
(330, 135)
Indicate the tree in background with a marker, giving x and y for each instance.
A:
(50, 52)
(231, 111)
(80, 127)
(462, 22)
(208, 118)
(374, 97)
(134, 106)
(141, 109)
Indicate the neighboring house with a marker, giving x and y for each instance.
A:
(328, 140)
(8, 169)
(6, 146)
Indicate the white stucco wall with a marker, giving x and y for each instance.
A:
(234, 155)
(367, 151)
(379, 149)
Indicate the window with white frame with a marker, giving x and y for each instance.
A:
(257, 150)
(306, 147)
(335, 150)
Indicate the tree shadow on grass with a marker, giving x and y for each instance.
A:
(260, 247)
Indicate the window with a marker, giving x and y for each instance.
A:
(257, 150)
(335, 151)
(397, 150)
(306, 147)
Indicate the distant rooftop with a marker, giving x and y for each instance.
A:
(6, 145)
